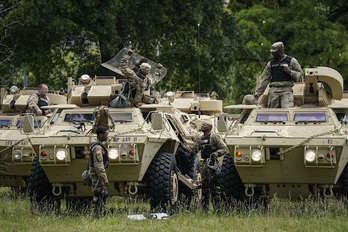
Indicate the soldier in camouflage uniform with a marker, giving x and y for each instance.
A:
(37, 100)
(280, 73)
(212, 149)
(139, 80)
(98, 163)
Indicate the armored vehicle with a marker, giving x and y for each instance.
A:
(141, 149)
(290, 152)
(16, 153)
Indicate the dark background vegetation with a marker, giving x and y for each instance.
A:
(50, 40)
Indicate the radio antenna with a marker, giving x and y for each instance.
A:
(199, 59)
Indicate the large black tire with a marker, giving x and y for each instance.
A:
(162, 181)
(232, 190)
(230, 187)
(40, 189)
(229, 180)
(343, 183)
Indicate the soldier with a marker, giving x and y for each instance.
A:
(98, 163)
(212, 149)
(139, 80)
(280, 73)
(37, 100)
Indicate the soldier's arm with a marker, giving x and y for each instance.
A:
(295, 70)
(33, 104)
(221, 148)
(196, 146)
(124, 67)
(265, 79)
(99, 164)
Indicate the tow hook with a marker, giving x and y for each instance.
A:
(249, 190)
(57, 190)
(132, 188)
(327, 191)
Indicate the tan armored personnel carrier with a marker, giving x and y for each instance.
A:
(16, 153)
(290, 152)
(141, 150)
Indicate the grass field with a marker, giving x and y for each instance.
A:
(330, 215)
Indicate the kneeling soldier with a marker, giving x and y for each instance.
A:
(212, 148)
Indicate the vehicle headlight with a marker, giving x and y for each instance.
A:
(113, 153)
(17, 154)
(310, 156)
(61, 155)
(256, 155)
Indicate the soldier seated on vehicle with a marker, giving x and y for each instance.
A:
(85, 80)
(14, 91)
(139, 81)
(280, 73)
(37, 100)
(212, 148)
(98, 163)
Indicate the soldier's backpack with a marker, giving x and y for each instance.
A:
(101, 118)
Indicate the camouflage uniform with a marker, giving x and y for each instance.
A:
(35, 102)
(139, 81)
(98, 163)
(280, 92)
(215, 151)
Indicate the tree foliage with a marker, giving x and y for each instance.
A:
(205, 46)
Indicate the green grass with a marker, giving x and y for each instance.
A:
(309, 215)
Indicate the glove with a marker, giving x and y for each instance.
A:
(213, 155)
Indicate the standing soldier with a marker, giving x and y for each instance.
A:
(140, 81)
(98, 163)
(212, 148)
(280, 73)
(37, 100)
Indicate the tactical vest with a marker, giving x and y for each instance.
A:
(277, 72)
(206, 147)
(42, 101)
(105, 155)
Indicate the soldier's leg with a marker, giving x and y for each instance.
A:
(273, 99)
(205, 188)
(99, 200)
(138, 95)
(287, 99)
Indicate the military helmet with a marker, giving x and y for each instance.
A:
(145, 67)
(14, 89)
(249, 100)
(277, 46)
(206, 126)
(85, 79)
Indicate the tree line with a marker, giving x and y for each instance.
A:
(206, 45)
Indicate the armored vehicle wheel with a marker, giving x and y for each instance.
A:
(343, 182)
(40, 189)
(231, 188)
(162, 181)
